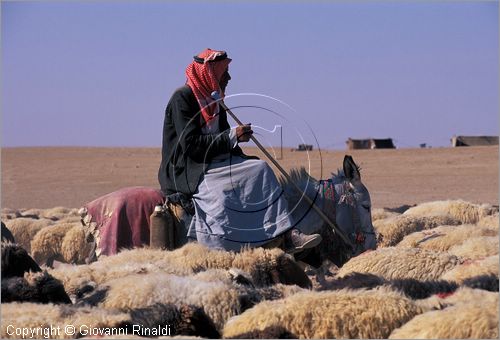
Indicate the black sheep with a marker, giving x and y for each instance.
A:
(272, 332)
(183, 320)
(7, 235)
(16, 261)
(38, 287)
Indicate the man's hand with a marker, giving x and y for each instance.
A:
(243, 132)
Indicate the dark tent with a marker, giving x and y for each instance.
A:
(474, 140)
(370, 143)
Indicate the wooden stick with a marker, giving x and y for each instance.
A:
(285, 174)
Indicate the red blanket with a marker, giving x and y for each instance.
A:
(121, 219)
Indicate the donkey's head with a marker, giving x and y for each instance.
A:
(353, 207)
(345, 200)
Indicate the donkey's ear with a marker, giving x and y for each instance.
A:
(351, 170)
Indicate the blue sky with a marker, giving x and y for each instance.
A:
(101, 73)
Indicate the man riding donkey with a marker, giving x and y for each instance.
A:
(230, 200)
(235, 199)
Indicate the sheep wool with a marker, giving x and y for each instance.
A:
(9, 214)
(470, 269)
(381, 214)
(477, 247)
(465, 212)
(59, 213)
(31, 213)
(219, 301)
(339, 314)
(74, 278)
(400, 263)
(269, 266)
(491, 221)
(392, 230)
(6, 234)
(472, 314)
(265, 266)
(16, 261)
(42, 316)
(185, 319)
(46, 245)
(34, 287)
(24, 229)
(442, 238)
(465, 295)
(74, 247)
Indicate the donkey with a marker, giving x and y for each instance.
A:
(345, 200)
(121, 219)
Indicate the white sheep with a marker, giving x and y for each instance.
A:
(400, 263)
(265, 266)
(46, 245)
(24, 229)
(474, 317)
(9, 214)
(338, 314)
(465, 212)
(74, 246)
(491, 221)
(392, 230)
(443, 238)
(93, 321)
(30, 213)
(470, 269)
(382, 213)
(60, 213)
(220, 301)
(41, 316)
(476, 247)
(465, 295)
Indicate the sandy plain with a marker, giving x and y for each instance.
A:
(43, 177)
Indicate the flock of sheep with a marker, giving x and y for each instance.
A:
(434, 275)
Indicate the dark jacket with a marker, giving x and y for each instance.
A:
(186, 152)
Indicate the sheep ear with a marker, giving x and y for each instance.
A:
(351, 170)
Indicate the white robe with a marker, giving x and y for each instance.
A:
(239, 203)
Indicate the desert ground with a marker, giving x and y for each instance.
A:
(72, 176)
(433, 275)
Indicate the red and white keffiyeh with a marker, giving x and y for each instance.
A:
(203, 77)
